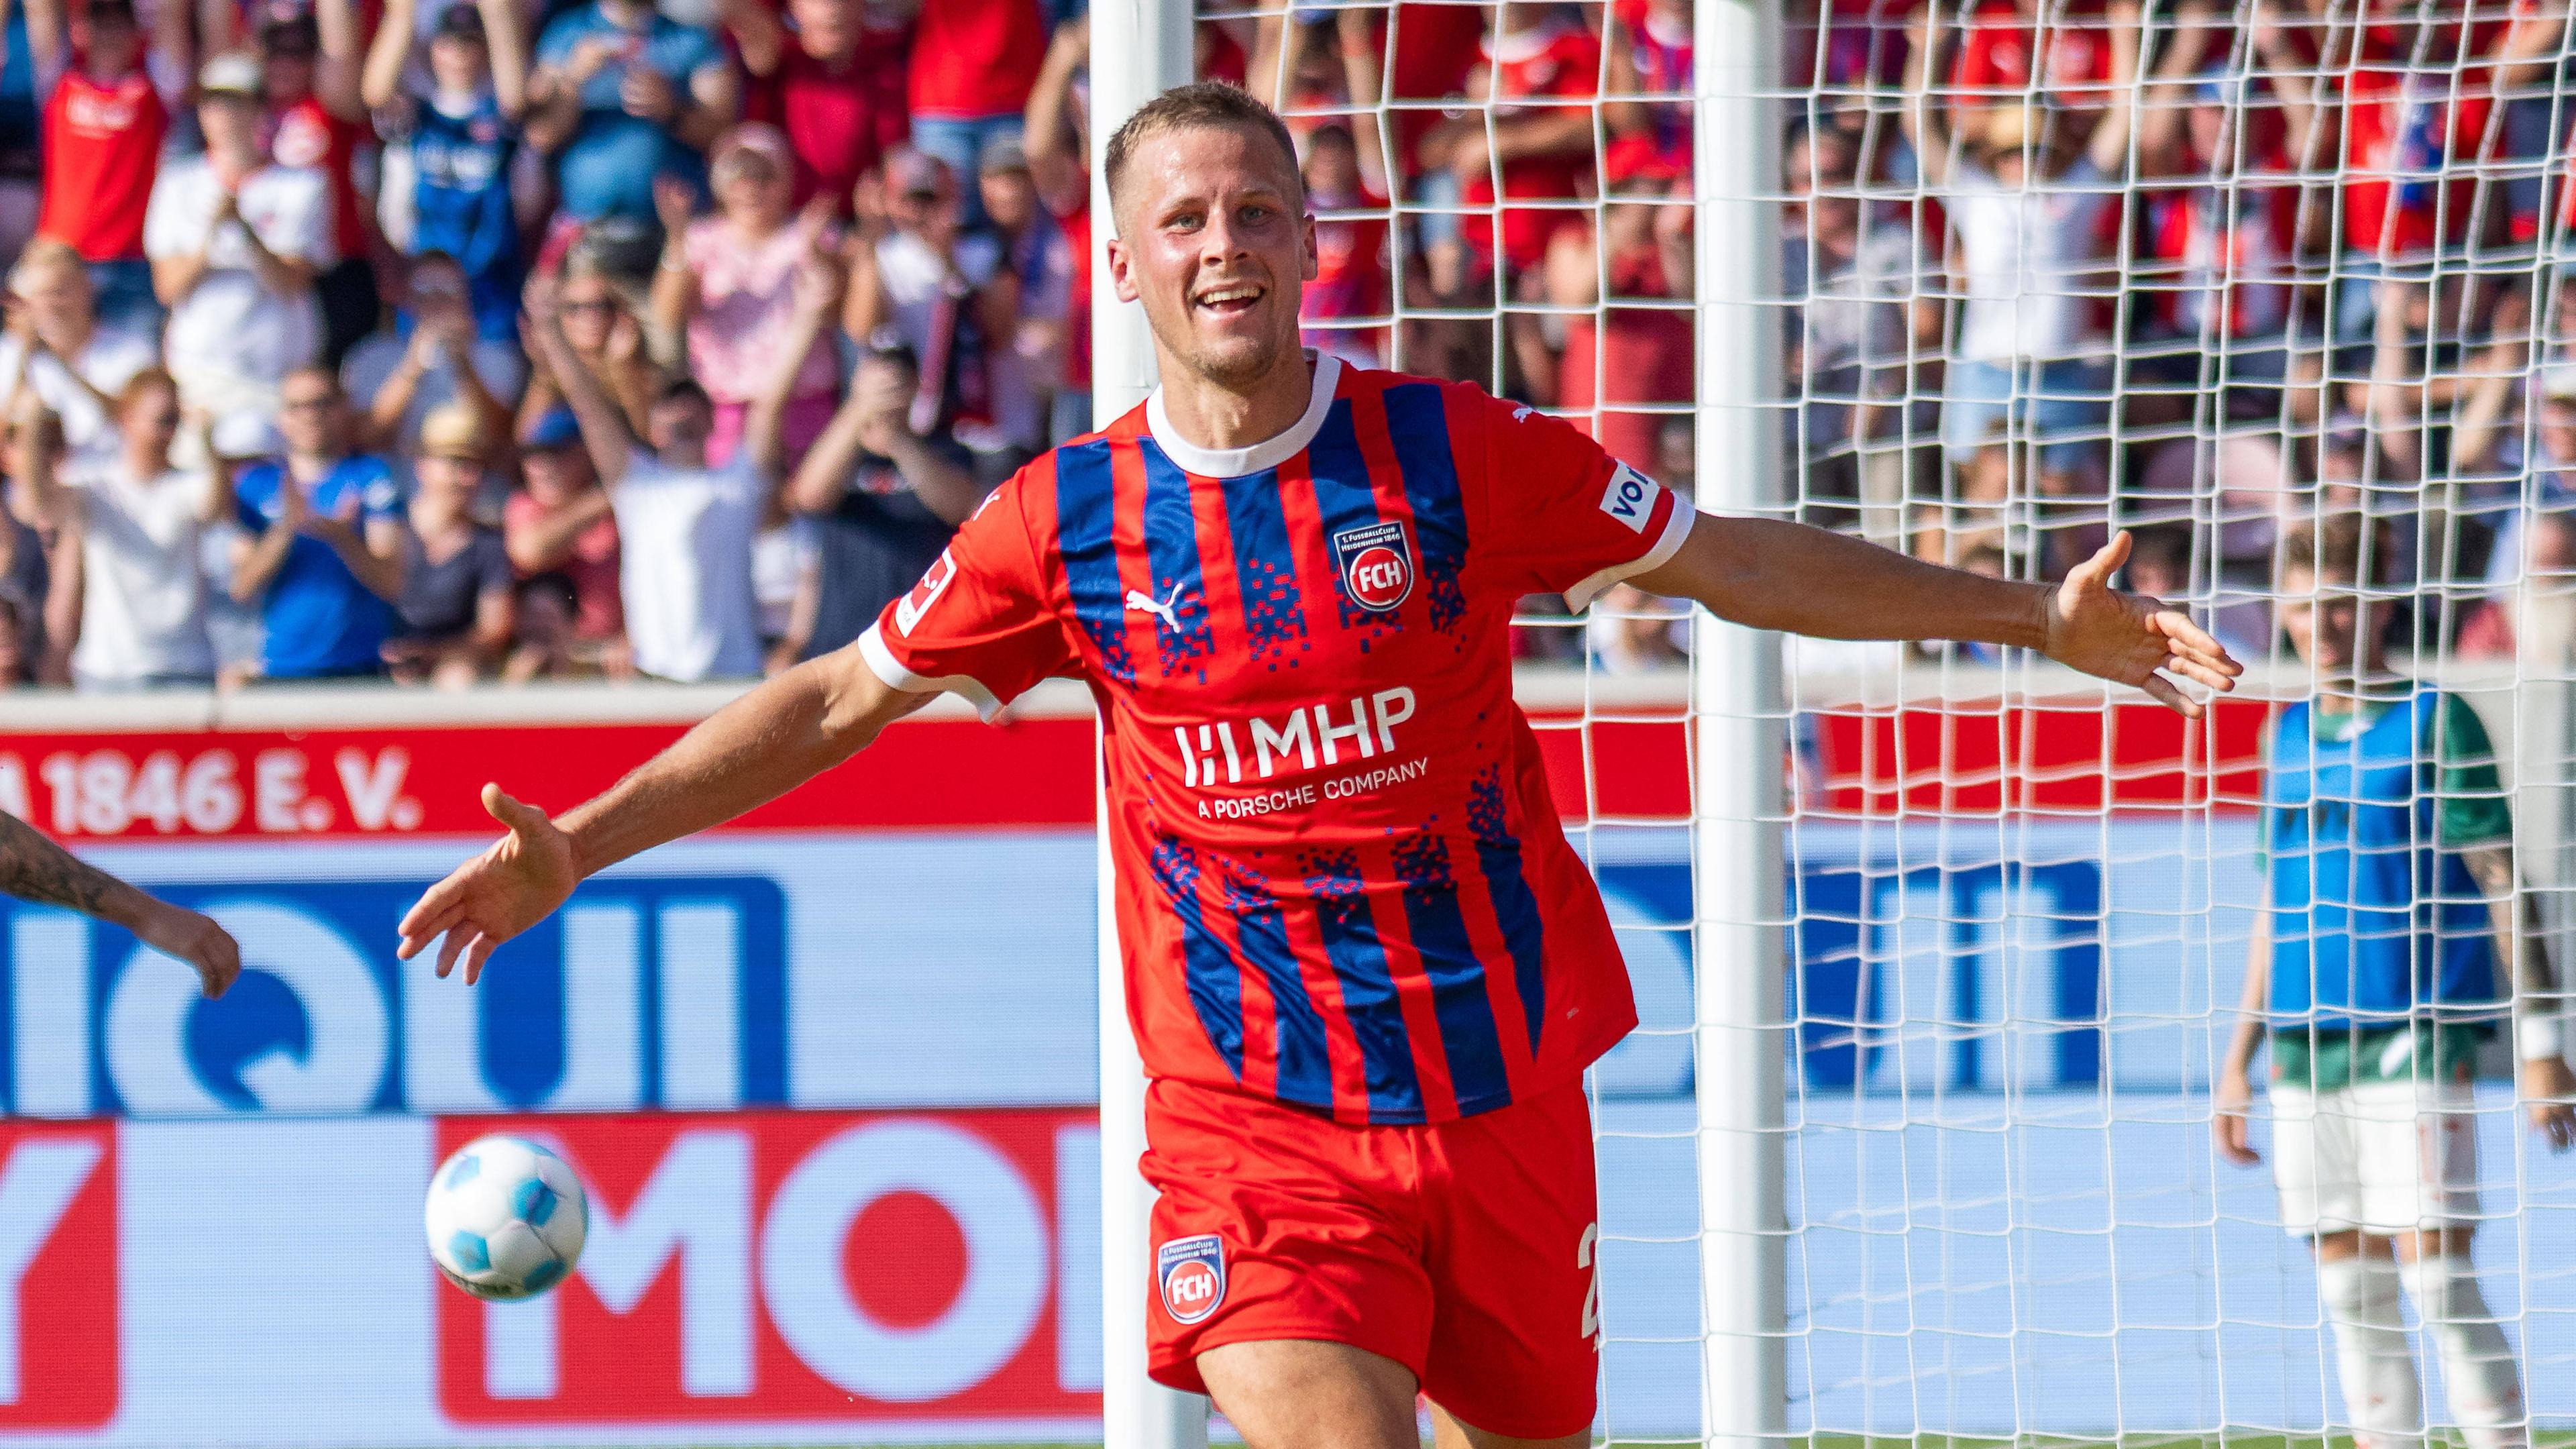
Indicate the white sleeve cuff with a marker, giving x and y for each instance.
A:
(1676, 529)
(2539, 1038)
(872, 648)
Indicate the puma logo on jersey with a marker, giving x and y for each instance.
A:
(1522, 413)
(1167, 610)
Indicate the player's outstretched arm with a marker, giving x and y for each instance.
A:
(33, 868)
(781, 734)
(1774, 575)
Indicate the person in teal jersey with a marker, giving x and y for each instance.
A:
(2378, 964)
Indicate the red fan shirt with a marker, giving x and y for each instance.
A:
(1559, 59)
(973, 58)
(838, 123)
(1340, 879)
(102, 152)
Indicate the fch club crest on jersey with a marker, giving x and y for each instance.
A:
(1376, 561)
(1192, 1272)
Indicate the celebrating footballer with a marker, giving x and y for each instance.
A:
(1364, 966)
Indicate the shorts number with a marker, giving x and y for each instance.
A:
(1583, 1259)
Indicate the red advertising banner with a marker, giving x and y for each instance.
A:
(785, 1266)
(58, 1261)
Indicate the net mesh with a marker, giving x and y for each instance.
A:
(2048, 269)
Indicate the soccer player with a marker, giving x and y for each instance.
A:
(35, 869)
(1365, 968)
(2389, 852)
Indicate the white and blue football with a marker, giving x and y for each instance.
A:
(506, 1218)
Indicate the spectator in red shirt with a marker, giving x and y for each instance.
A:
(2410, 115)
(1533, 151)
(558, 525)
(1634, 355)
(104, 122)
(316, 118)
(974, 63)
(1058, 147)
(827, 78)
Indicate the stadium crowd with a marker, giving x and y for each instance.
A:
(459, 340)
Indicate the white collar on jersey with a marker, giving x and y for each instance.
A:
(1270, 452)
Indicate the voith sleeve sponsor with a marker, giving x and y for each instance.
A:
(978, 623)
(1561, 516)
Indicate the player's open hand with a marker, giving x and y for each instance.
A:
(2549, 1092)
(2129, 637)
(515, 883)
(2230, 1104)
(195, 939)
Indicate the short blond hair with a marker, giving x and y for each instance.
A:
(46, 256)
(1220, 105)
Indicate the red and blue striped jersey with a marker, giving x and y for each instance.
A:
(1340, 880)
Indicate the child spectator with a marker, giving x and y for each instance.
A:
(974, 63)
(559, 525)
(309, 74)
(459, 598)
(323, 551)
(879, 500)
(684, 525)
(105, 118)
(397, 379)
(236, 243)
(140, 522)
(606, 328)
(451, 173)
(725, 282)
(623, 93)
(830, 81)
(56, 349)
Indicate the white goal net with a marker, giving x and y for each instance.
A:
(1989, 283)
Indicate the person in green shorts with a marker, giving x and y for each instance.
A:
(2374, 975)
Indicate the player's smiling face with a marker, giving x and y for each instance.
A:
(1213, 238)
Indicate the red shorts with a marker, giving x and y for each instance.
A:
(1463, 1250)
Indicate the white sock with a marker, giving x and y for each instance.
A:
(2479, 1377)
(2372, 1358)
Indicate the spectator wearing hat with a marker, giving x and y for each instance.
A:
(309, 64)
(831, 82)
(603, 317)
(56, 349)
(432, 355)
(726, 281)
(879, 500)
(451, 177)
(323, 545)
(973, 65)
(621, 94)
(459, 595)
(2026, 197)
(946, 294)
(558, 525)
(236, 242)
(685, 525)
(106, 114)
(140, 524)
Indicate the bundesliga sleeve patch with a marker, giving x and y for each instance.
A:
(908, 611)
(1192, 1272)
(1630, 498)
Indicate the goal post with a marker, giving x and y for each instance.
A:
(1139, 49)
(1738, 740)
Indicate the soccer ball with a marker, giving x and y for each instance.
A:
(506, 1218)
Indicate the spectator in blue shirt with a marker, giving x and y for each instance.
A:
(621, 94)
(452, 147)
(324, 548)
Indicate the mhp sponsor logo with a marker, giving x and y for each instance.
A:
(652, 991)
